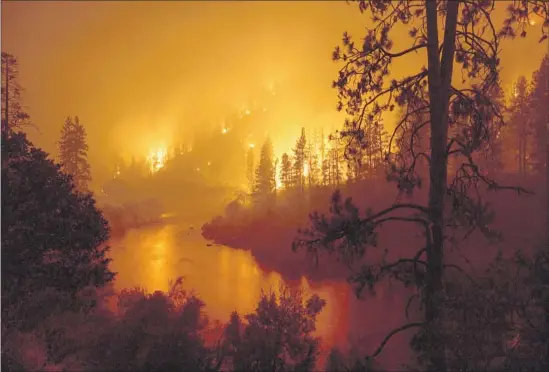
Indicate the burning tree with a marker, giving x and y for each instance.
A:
(460, 120)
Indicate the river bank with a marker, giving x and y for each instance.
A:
(228, 279)
(268, 236)
(269, 241)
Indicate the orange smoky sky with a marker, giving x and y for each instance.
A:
(138, 72)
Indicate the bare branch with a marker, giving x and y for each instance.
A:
(392, 333)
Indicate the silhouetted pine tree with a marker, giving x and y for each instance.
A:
(490, 154)
(250, 169)
(73, 152)
(366, 92)
(539, 111)
(335, 160)
(286, 172)
(312, 164)
(265, 175)
(520, 125)
(324, 162)
(277, 336)
(299, 161)
(13, 115)
(52, 236)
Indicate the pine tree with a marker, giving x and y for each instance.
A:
(73, 152)
(13, 115)
(413, 139)
(368, 159)
(370, 150)
(520, 124)
(326, 174)
(379, 144)
(250, 169)
(51, 235)
(263, 341)
(446, 32)
(286, 172)
(539, 110)
(265, 174)
(355, 168)
(312, 164)
(299, 161)
(335, 155)
(324, 163)
(490, 156)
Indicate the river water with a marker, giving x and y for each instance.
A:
(228, 279)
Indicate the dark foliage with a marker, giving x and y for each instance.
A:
(52, 236)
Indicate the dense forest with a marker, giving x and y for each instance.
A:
(430, 205)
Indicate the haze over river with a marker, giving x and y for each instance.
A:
(228, 279)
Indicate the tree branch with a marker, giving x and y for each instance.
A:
(395, 207)
(392, 333)
(404, 52)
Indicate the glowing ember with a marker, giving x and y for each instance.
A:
(157, 159)
(117, 172)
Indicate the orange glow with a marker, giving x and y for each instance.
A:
(158, 255)
(278, 180)
(150, 265)
(515, 91)
(295, 69)
(157, 159)
(150, 79)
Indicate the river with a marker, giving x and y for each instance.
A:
(228, 279)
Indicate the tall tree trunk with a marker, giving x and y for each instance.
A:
(521, 150)
(546, 168)
(520, 153)
(439, 78)
(5, 122)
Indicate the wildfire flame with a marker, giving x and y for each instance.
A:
(157, 159)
